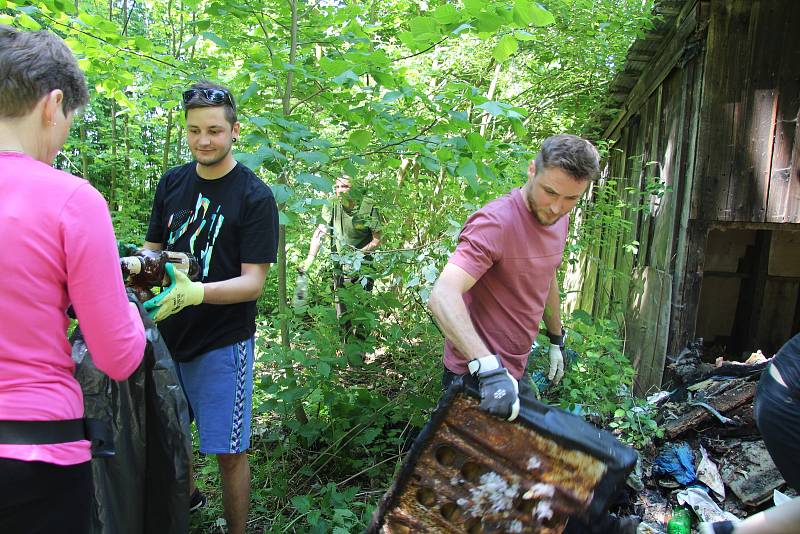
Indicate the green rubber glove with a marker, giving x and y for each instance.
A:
(181, 292)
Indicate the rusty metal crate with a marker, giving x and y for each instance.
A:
(470, 472)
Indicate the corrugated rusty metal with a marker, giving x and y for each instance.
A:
(474, 473)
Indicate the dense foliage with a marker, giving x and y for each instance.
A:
(434, 106)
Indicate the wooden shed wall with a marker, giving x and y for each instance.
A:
(652, 142)
(748, 154)
(715, 116)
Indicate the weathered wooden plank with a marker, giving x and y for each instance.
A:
(690, 298)
(647, 326)
(747, 198)
(727, 43)
(724, 402)
(670, 154)
(692, 87)
(649, 134)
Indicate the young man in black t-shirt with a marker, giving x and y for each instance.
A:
(219, 211)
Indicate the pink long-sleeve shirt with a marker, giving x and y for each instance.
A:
(57, 248)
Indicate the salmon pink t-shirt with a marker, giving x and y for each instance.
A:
(514, 258)
(58, 248)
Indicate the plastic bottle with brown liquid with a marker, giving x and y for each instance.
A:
(147, 269)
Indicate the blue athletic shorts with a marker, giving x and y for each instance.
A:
(219, 388)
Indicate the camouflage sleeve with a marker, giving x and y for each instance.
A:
(371, 215)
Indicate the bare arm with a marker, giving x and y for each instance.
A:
(447, 305)
(552, 308)
(316, 243)
(372, 245)
(243, 288)
(781, 519)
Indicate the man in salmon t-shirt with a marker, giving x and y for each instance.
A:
(501, 280)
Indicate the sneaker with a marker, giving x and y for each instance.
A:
(197, 500)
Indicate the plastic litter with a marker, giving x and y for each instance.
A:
(677, 460)
(779, 498)
(142, 485)
(704, 506)
(708, 474)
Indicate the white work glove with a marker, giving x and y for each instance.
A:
(499, 390)
(300, 289)
(556, 357)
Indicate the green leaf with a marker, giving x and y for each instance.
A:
(281, 192)
(219, 41)
(474, 7)
(317, 182)
(527, 13)
(324, 368)
(492, 108)
(28, 23)
(348, 78)
(360, 139)
(203, 25)
(467, 170)
(519, 128)
(424, 28)
(446, 14)
(488, 22)
(476, 142)
(143, 44)
(522, 35)
(314, 157)
(350, 169)
(505, 48)
(302, 503)
(252, 89)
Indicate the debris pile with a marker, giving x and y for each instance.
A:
(712, 458)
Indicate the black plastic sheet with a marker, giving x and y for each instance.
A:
(142, 487)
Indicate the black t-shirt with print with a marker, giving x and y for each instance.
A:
(223, 223)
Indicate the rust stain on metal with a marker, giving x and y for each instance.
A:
(479, 474)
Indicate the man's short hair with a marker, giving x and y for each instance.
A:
(200, 101)
(574, 155)
(31, 65)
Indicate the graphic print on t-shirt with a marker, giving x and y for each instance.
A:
(204, 222)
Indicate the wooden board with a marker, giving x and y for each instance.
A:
(747, 156)
(784, 189)
(647, 326)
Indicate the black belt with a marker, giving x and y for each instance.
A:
(63, 431)
(41, 432)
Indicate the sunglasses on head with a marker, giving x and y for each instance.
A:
(215, 96)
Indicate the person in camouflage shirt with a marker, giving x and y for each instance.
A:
(356, 225)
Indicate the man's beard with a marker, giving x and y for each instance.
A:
(215, 160)
(544, 222)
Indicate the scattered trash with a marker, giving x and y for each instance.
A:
(676, 459)
(656, 398)
(779, 498)
(715, 413)
(708, 474)
(703, 505)
(650, 528)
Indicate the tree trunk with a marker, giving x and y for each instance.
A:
(167, 141)
(490, 95)
(84, 156)
(112, 194)
(299, 412)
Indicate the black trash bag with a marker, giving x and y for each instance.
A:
(141, 480)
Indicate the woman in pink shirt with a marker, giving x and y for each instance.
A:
(58, 248)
